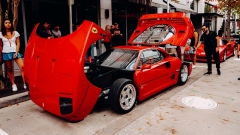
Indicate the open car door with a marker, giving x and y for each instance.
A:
(54, 70)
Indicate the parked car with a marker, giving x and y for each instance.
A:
(63, 82)
(226, 50)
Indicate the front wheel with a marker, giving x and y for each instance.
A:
(183, 74)
(122, 96)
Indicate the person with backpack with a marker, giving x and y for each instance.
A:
(193, 45)
(211, 47)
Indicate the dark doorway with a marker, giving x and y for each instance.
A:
(130, 13)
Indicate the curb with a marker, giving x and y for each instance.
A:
(14, 99)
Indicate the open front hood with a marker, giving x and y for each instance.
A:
(162, 29)
(54, 70)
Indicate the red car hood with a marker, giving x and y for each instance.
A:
(161, 29)
(55, 68)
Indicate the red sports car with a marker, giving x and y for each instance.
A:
(62, 82)
(226, 50)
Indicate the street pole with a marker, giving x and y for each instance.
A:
(224, 31)
(70, 3)
(167, 6)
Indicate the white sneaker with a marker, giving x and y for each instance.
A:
(14, 87)
(194, 66)
(25, 86)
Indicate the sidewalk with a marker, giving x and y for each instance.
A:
(163, 114)
(208, 106)
(9, 97)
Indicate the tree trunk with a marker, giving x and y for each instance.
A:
(15, 4)
(228, 19)
(8, 9)
(1, 17)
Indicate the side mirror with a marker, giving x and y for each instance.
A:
(146, 66)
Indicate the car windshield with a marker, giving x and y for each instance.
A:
(117, 58)
(155, 34)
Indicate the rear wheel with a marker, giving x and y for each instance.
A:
(122, 95)
(183, 74)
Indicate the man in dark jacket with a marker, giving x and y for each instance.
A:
(238, 48)
(211, 47)
(116, 36)
(43, 30)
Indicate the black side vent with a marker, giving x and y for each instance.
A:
(65, 105)
(181, 31)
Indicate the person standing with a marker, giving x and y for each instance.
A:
(238, 49)
(193, 45)
(211, 47)
(43, 30)
(116, 36)
(1, 62)
(11, 45)
(56, 31)
(107, 38)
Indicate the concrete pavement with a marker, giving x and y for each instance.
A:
(163, 114)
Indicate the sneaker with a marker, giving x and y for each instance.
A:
(194, 66)
(25, 86)
(14, 87)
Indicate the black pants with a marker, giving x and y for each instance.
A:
(116, 43)
(107, 45)
(209, 54)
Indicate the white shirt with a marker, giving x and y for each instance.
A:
(9, 45)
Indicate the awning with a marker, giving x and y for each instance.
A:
(210, 14)
(158, 3)
(180, 7)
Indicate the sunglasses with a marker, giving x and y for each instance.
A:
(203, 29)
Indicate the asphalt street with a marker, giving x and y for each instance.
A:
(167, 113)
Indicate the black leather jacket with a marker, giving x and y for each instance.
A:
(42, 32)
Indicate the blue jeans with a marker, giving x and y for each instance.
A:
(90, 51)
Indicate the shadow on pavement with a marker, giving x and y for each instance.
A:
(8, 90)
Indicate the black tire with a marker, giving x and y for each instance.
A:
(224, 56)
(125, 90)
(183, 74)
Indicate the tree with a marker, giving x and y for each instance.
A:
(10, 10)
(228, 7)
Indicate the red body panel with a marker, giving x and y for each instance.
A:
(157, 78)
(54, 68)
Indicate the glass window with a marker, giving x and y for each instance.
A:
(117, 58)
(155, 34)
(150, 57)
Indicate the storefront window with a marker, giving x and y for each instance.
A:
(127, 15)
